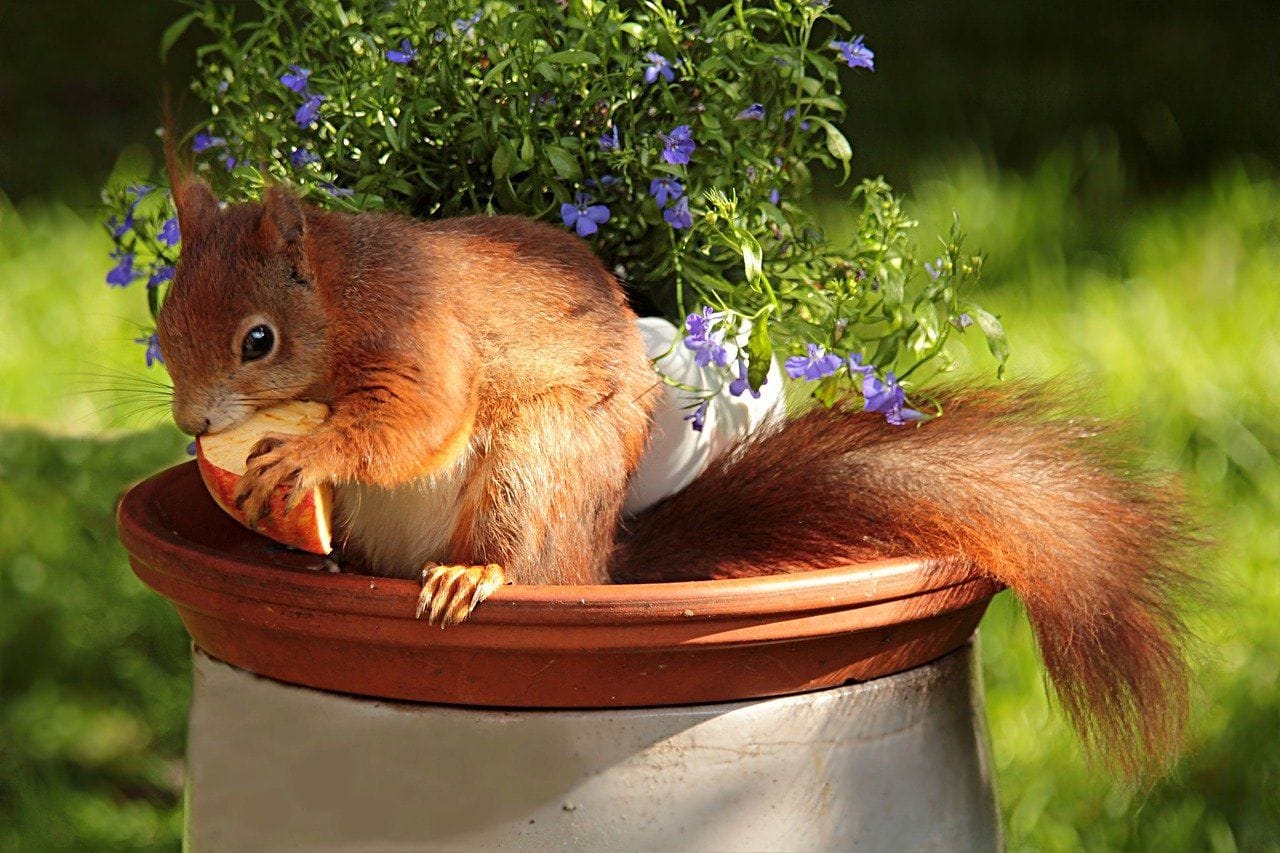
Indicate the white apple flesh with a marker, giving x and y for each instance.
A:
(221, 459)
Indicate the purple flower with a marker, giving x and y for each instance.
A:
(159, 275)
(962, 322)
(755, 112)
(439, 36)
(678, 145)
(464, 25)
(584, 216)
(607, 181)
(704, 340)
(204, 141)
(774, 196)
(678, 215)
(935, 269)
(790, 114)
(404, 55)
(741, 385)
(337, 191)
(855, 365)
(229, 161)
(818, 364)
(122, 274)
(296, 81)
(223, 87)
(169, 233)
(609, 142)
(301, 157)
(665, 189)
(153, 348)
(307, 113)
(120, 226)
(659, 66)
(888, 399)
(856, 54)
(698, 416)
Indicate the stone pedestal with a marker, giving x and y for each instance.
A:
(898, 763)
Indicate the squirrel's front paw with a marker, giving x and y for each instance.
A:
(275, 461)
(452, 592)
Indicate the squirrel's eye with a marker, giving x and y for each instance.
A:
(257, 343)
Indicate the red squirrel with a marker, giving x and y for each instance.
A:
(490, 396)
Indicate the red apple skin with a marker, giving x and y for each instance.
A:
(306, 528)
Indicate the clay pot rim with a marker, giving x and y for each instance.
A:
(152, 541)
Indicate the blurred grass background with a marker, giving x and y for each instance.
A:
(1118, 164)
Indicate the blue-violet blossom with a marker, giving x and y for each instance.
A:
(297, 80)
(856, 54)
(609, 142)
(742, 384)
(583, 216)
(122, 274)
(818, 364)
(704, 340)
(159, 275)
(665, 189)
(678, 145)
(307, 113)
(659, 66)
(678, 215)
(169, 234)
(698, 416)
(204, 141)
(755, 112)
(888, 399)
(406, 54)
(153, 348)
(301, 157)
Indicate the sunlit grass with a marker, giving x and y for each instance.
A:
(1168, 310)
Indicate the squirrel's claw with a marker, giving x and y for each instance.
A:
(275, 461)
(450, 593)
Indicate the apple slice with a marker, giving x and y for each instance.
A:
(221, 459)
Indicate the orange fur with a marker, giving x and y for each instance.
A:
(487, 372)
(497, 338)
(1006, 483)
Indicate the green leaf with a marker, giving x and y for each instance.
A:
(502, 160)
(564, 163)
(173, 32)
(996, 340)
(572, 57)
(752, 262)
(760, 349)
(838, 145)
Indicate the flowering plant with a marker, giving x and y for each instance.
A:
(679, 140)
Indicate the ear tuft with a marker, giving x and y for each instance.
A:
(284, 213)
(196, 205)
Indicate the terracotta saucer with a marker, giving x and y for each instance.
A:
(284, 614)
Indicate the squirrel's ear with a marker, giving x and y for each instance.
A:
(284, 225)
(196, 203)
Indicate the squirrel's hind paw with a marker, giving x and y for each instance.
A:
(450, 593)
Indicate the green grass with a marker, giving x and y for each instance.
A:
(1167, 307)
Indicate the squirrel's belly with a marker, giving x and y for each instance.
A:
(394, 532)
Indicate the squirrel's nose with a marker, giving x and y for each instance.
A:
(190, 422)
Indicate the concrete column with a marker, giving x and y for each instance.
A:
(899, 763)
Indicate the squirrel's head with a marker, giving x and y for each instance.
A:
(242, 327)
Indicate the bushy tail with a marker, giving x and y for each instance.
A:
(1006, 482)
